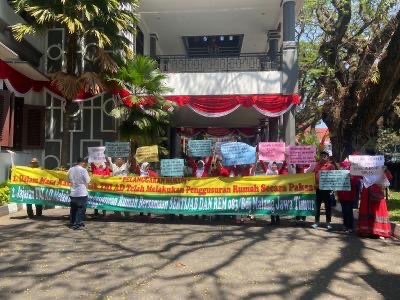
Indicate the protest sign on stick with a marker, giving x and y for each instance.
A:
(237, 153)
(147, 154)
(96, 154)
(172, 167)
(199, 148)
(271, 151)
(366, 165)
(118, 149)
(334, 180)
(302, 155)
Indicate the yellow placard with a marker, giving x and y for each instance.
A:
(147, 154)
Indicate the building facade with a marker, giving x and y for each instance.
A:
(232, 66)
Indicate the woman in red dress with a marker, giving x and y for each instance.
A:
(373, 219)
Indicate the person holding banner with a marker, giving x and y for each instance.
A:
(79, 178)
(100, 170)
(373, 218)
(39, 208)
(322, 195)
(145, 170)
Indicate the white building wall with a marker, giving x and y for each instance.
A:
(230, 83)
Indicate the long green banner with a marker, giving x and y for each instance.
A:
(260, 195)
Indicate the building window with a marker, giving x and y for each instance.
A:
(139, 41)
(213, 45)
(21, 126)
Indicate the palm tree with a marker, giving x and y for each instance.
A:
(144, 112)
(105, 23)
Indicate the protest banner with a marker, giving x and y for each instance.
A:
(258, 195)
(199, 148)
(172, 167)
(96, 154)
(366, 165)
(271, 151)
(236, 153)
(302, 155)
(118, 149)
(147, 154)
(334, 180)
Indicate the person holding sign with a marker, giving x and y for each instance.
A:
(347, 199)
(322, 195)
(120, 167)
(220, 170)
(200, 168)
(373, 219)
(100, 170)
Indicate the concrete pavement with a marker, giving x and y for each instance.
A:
(119, 259)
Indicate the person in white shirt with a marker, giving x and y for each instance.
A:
(79, 178)
(120, 167)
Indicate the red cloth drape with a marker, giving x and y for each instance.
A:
(219, 104)
(21, 83)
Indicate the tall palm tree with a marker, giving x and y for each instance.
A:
(104, 23)
(144, 112)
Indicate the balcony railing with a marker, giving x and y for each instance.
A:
(244, 62)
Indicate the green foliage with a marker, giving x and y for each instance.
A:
(102, 20)
(145, 114)
(308, 138)
(4, 194)
(387, 140)
(394, 206)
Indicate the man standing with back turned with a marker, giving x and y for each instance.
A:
(79, 178)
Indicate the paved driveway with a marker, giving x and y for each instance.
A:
(117, 259)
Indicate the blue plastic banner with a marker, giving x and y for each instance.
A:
(236, 153)
(172, 167)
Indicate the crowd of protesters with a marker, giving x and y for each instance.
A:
(369, 194)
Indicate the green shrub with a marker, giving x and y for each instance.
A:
(4, 194)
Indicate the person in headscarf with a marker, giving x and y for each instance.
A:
(373, 218)
(39, 208)
(145, 171)
(200, 168)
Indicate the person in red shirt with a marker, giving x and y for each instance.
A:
(321, 195)
(100, 170)
(200, 168)
(348, 198)
(220, 170)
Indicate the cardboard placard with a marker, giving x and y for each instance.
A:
(147, 154)
(335, 180)
(172, 167)
(118, 149)
(302, 155)
(199, 148)
(366, 165)
(271, 151)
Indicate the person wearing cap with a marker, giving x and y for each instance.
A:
(39, 208)
(321, 195)
(79, 179)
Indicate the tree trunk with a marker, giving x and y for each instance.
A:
(65, 138)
